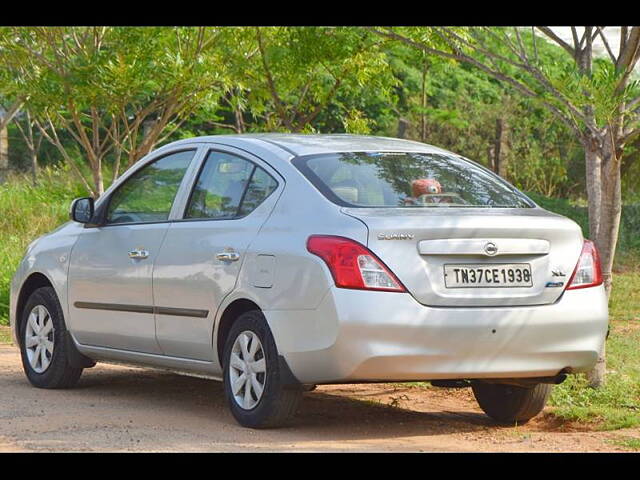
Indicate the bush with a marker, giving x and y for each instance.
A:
(26, 212)
(629, 236)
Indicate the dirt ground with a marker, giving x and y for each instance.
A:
(117, 408)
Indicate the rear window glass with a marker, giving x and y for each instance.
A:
(411, 180)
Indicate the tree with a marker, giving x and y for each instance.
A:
(4, 153)
(461, 111)
(7, 114)
(295, 78)
(32, 140)
(106, 85)
(596, 98)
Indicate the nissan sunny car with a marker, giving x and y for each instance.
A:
(277, 262)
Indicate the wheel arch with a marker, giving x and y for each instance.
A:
(34, 281)
(230, 315)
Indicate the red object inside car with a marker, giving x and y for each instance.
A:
(425, 186)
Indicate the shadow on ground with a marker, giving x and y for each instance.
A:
(121, 408)
(344, 417)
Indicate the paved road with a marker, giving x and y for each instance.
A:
(116, 408)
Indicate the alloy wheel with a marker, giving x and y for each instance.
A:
(247, 370)
(38, 338)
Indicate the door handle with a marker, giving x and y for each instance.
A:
(138, 254)
(228, 256)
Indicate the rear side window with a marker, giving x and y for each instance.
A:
(228, 187)
(260, 187)
(407, 179)
(148, 195)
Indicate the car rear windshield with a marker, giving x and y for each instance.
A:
(407, 179)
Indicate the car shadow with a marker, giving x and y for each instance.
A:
(321, 415)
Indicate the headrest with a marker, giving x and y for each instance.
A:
(348, 194)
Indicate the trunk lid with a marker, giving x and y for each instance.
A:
(417, 245)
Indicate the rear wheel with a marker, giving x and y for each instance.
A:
(43, 337)
(511, 404)
(253, 380)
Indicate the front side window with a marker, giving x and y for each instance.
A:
(228, 187)
(407, 179)
(148, 195)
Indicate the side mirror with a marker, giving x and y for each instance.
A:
(81, 210)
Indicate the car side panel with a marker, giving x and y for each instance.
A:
(188, 276)
(102, 279)
(49, 256)
(299, 280)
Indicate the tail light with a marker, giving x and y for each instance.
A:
(588, 271)
(353, 265)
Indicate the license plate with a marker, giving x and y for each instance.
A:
(488, 276)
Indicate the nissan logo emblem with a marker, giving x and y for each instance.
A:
(490, 249)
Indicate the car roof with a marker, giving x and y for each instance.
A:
(312, 144)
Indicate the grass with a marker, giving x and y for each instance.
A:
(26, 212)
(617, 404)
(627, 442)
(414, 384)
(5, 335)
(624, 304)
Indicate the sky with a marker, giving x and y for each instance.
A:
(612, 34)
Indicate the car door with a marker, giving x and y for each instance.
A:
(201, 256)
(110, 271)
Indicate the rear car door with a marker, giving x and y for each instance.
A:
(110, 273)
(198, 264)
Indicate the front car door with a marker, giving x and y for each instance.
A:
(200, 259)
(111, 265)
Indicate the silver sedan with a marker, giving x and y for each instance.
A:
(277, 262)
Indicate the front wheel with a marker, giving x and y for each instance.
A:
(43, 344)
(511, 404)
(253, 381)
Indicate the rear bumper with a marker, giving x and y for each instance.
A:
(378, 336)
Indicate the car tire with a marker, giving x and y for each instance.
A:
(510, 404)
(53, 370)
(276, 404)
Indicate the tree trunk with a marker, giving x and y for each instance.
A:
(147, 127)
(34, 166)
(499, 162)
(593, 164)
(403, 125)
(610, 211)
(239, 121)
(4, 154)
(150, 134)
(98, 180)
(605, 208)
(423, 115)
